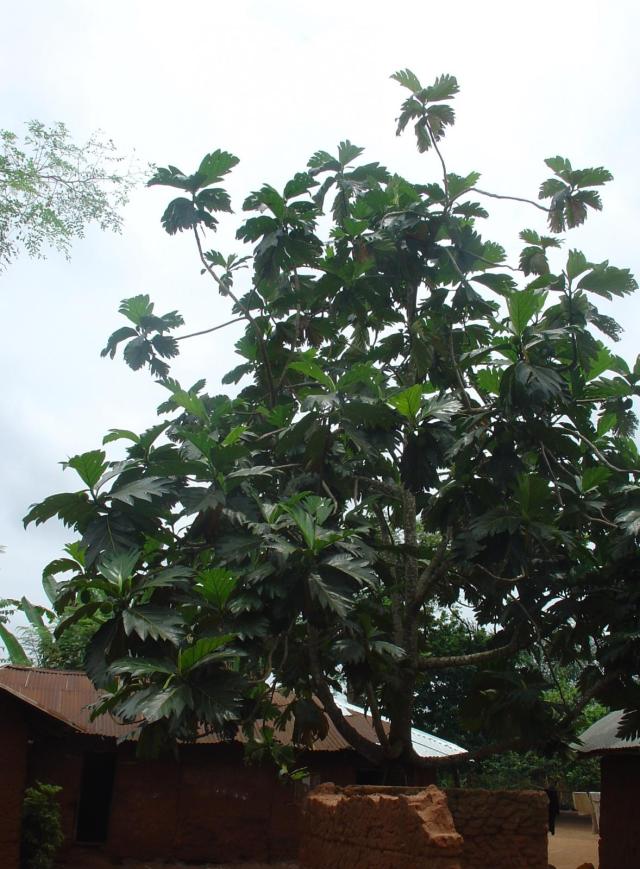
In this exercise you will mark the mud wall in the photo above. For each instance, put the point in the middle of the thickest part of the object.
(55, 757)
(206, 806)
(378, 828)
(501, 829)
(392, 828)
(209, 807)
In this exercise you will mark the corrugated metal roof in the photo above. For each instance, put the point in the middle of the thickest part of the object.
(424, 744)
(601, 737)
(68, 696)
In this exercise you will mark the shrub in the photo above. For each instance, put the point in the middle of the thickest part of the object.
(41, 827)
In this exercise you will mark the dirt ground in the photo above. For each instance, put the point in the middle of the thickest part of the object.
(211, 866)
(86, 858)
(573, 843)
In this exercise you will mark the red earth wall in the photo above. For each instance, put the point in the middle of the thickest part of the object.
(214, 811)
(13, 772)
(207, 806)
(620, 812)
(396, 828)
(58, 761)
(501, 829)
(370, 827)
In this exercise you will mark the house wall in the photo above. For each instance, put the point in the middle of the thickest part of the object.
(620, 811)
(13, 771)
(55, 757)
(209, 806)
(206, 806)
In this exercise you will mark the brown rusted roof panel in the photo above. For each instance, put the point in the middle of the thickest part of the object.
(68, 696)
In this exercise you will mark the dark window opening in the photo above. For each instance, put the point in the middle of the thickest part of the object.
(95, 797)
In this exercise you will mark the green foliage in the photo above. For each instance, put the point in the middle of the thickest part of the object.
(65, 652)
(533, 771)
(570, 193)
(51, 189)
(41, 644)
(41, 827)
(183, 213)
(15, 651)
(147, 343)
(427, 106)
(416, 426)
(440, 698)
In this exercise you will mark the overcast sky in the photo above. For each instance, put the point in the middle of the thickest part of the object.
(272, 82)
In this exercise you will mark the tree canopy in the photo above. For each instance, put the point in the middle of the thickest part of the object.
(417, 423)
(51, 188)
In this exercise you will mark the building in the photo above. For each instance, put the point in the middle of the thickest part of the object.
(203, 804)
(620, 791)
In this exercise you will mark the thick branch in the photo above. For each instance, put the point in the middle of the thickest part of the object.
(411, 541)
(393, 490)
(591, 694)
(396, 599)
(373, 753)
(431, 574)
(376, 718)
(448, 661)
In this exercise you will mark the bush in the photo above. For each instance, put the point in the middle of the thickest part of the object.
(41, 827)
(531, 770)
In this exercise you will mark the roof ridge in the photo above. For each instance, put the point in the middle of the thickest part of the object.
(47, 670)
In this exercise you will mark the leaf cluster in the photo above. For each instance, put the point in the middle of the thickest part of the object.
(417, 425)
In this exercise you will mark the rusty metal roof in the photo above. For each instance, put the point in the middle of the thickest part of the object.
(68, 695)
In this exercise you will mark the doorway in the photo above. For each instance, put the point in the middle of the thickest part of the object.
(96, 789)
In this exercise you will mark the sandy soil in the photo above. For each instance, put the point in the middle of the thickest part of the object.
(573, 843)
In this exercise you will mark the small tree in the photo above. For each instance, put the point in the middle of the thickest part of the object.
(51, 189)
(419, 424)
(42, 833)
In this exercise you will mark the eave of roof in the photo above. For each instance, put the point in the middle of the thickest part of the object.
(68, 695)
(601, 738)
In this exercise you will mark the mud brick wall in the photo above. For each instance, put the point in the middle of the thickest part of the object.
(620, 811)
(208, 807)
(57, 760)
(501, 829)
(13, 767)
(378, 829)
